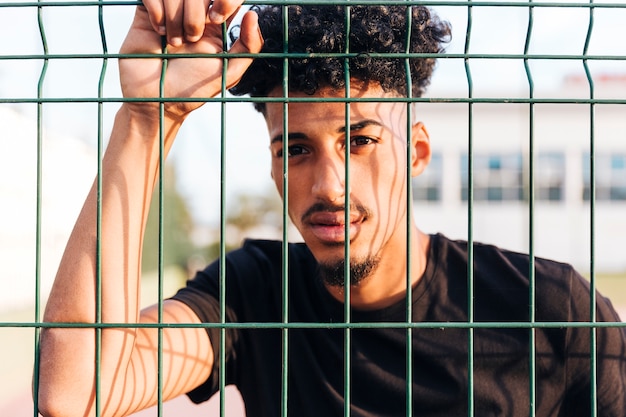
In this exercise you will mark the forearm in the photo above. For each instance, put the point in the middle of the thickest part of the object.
(129, 171)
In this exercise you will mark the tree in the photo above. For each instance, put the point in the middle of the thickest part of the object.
(250, 215)
(177, 227)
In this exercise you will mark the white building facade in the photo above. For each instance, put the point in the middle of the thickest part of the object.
(563, 138)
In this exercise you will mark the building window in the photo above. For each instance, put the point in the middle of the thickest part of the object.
(428, 185)
(550, 176)
(610, 176)
(497, 177)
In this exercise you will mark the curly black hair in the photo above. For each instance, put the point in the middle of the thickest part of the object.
(321, 29)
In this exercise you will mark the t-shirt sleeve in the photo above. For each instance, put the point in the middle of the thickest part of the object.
(609, 350)
(250, 288)
(199, 294)
(611, 353)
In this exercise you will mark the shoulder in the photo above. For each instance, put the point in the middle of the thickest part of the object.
(252, 277)
(255, 253)
(491, 259)
(277, 251)
(257, 261)
(502, 276)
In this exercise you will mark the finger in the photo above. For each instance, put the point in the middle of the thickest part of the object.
(250, 40)
(156, 15)
(174, 21)
(221, 10)
(194, 19)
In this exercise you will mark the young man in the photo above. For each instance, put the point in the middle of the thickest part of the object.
(377, 135)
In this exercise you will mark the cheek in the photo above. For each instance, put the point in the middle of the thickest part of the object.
(296, 187)
(277, 177)
(382, 175)
(388, 181)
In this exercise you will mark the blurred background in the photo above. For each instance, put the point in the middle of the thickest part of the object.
(500, 129)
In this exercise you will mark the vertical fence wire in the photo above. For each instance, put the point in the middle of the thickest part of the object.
(160, 254)
(470, 222)
(592, 229)
(347, 287)
(98, 321)
(284, 391)
(222, 243)
(531, 217)
(222, 247)
(409, 216)
(38, 209)
(100, 127)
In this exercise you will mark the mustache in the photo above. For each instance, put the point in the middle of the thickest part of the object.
(321, 207)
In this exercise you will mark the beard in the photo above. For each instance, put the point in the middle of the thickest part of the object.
(333, 273)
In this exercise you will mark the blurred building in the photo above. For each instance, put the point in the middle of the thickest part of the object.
(563, 135)
(67, 168)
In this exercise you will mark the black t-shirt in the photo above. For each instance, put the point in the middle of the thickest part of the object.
(500, 359)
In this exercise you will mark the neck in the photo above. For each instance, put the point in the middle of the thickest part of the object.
(388, 283)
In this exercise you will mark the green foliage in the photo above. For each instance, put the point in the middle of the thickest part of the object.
(252, 210)
(212, 251)
(246, 216)
(177, 227)
(246, 213)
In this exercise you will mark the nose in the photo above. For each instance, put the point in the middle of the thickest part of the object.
(329, 179)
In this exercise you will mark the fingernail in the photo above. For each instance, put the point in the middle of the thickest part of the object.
(161, 30)
(215, 17)
(176, 41)
(193, 38)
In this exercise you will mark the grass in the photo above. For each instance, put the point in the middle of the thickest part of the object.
(612, 286)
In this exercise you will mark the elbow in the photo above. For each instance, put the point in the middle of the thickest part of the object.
(50, 405)
(62, 388)
(51, 402)
(48, 409)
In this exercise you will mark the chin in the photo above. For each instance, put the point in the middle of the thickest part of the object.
(332, 272)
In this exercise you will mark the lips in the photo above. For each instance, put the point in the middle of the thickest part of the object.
(326, 222)
(329, 227)
(336, 218)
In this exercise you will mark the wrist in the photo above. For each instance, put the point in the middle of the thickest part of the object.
(145, 120)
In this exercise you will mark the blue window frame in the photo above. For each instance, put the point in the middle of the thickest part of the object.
(428, 185)
(497, 177)
(610, 178)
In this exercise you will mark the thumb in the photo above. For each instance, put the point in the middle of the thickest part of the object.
(250, 41)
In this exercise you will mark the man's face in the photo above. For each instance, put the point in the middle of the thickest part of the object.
(316, 151)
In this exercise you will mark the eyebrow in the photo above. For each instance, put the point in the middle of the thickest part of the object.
(362, 124)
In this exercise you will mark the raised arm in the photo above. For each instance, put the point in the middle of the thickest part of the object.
(128, 365)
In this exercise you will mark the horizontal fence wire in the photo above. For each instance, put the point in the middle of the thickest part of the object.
(308, 325)
(429, 3)
(471, 98)
(329, 100)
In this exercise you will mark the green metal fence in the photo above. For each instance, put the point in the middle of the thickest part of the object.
(43, 101)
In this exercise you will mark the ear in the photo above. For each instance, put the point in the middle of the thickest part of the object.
(421, 152)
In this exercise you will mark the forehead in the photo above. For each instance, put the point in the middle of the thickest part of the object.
(327, 110)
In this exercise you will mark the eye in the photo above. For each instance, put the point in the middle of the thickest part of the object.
(293, 150)
(356, 141)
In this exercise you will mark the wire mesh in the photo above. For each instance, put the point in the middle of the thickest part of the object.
(43, 58)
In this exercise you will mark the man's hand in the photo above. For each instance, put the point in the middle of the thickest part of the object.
(190, 26)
